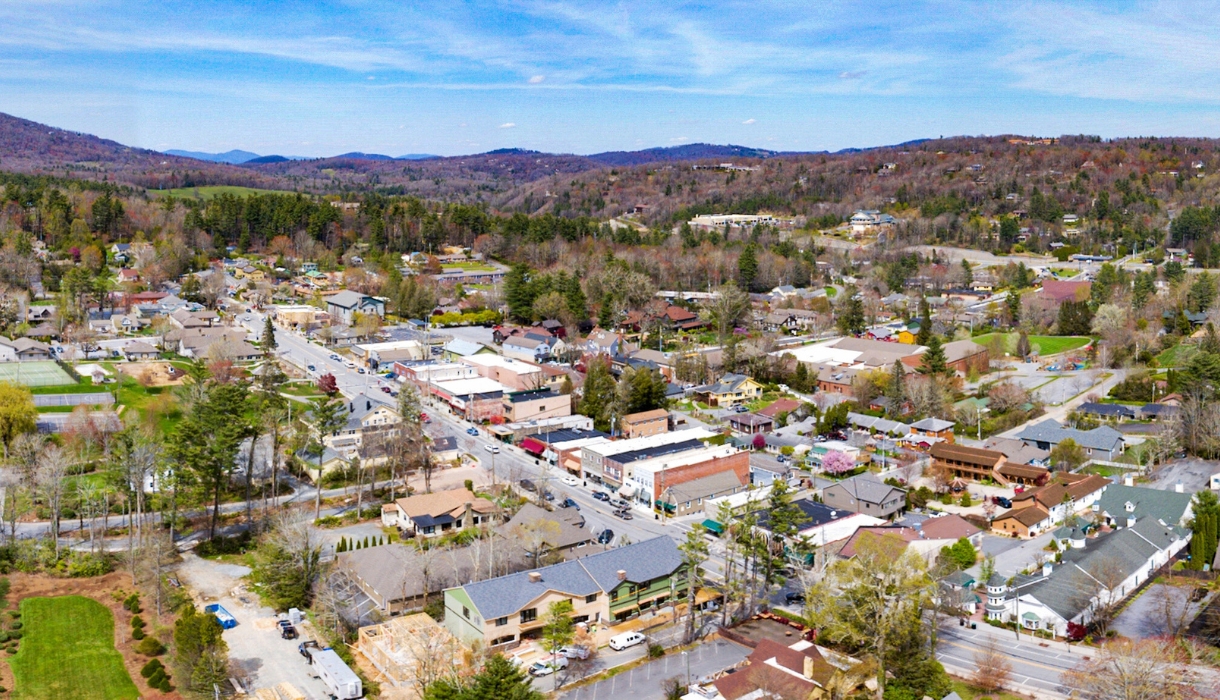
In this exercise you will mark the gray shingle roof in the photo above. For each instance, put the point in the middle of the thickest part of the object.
(1167, 506)
(1050, 431)
(867, 488)
(596, 573)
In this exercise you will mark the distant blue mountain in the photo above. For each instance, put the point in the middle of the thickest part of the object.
(269, 159)
(234, 157)
(417, 156)
(356, 155)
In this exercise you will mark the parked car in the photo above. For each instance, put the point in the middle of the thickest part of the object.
(1002, 501)
(548, 495)
(569, 481)
(794, 597)
(619, 503)
(606, 536)
(740, 409)
(385, 389)
(574, 652)
(287, 631)
(601, 495)
(624, 514)
(528, 485)
(569, 503)
(472, 431)
(625, 640)
(781, 459)
(495, 450)
(349, 364)
(549, 666)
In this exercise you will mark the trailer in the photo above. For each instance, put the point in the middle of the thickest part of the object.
(223, 616)
(344, 683)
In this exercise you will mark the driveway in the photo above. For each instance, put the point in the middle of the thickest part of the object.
(644, 682)
(1160, 609)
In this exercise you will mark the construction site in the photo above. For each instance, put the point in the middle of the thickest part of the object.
(407, 653)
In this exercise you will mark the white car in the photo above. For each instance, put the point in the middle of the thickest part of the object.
(349, 364)
(548, 666)
(574, 652)
(492, 449)
(626, 639)
(569, 480)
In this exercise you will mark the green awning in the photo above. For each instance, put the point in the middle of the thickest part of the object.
(1030, 617)
(713, 526)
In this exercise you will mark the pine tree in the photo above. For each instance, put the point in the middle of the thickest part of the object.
(574, 297)
(268, 341)
(598, 396)
(925, 322)
(518, 294)
(747, 267)
(1143, 290)
(933, 363)
(366, 541)
(1013, 302)
(967, 273)
(895, 389)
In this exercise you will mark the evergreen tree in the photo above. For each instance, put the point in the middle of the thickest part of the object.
(933, 363)
(895, 389)
(925, 322)
(268, 341)
(1075, 318)
(1143, 290)
(1202, 293)
(967, 273)
(518, 294)
(598, 396)
(800, 378)
(646, 391)
(200, 652)
(850, 320)
(747, 267)
(1023, 348)
(574, 297)
(1204, 529)
(1013, 302)
(605, 315)
(499, 680)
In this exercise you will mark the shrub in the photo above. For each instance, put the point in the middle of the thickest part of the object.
(10, 650)
(15, 634)
(236, 544)
(157, 676)
(149, 646)
(137, 633)
(137, 621)
(150, 667)
(655, 651)
(165, 686)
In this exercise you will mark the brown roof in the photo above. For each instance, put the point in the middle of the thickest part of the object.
(1022, 471)
(1074, 486)
(1026, 516)
(768, 663)
(780, 406)
(905, 535)
(452, 502)
(948, 527)
(969, 455)
(645, 416)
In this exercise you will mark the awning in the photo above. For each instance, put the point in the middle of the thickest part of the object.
(533, 446)
(627, 490)
(713, 526)
(1030, 617)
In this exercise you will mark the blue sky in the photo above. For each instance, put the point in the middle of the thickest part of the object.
(322, 78)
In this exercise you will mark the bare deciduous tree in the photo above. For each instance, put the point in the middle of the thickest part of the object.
(53, 466)
(992, 667)
(1149, 669)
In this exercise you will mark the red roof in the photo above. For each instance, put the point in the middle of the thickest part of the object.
(531, 445)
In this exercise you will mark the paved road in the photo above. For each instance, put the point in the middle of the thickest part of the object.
(1036, 669)
(644, 682)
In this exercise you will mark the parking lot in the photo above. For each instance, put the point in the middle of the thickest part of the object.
(260, 658)
(1195, 474)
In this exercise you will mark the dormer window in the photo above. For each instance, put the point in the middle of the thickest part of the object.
(1130, 507)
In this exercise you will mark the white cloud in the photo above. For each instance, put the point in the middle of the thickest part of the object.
(508, 125)
(751, 120)
(534, 80)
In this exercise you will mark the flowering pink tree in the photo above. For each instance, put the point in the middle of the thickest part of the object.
(836, 462)
(759, 441)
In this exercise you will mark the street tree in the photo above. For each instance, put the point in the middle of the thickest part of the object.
(694, 552)
(558, 630)
(53, 465)
(992, 666)
(328, 416)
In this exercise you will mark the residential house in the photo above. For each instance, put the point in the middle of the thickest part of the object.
(645, 423)
(1109, 411)
(560, 532)
(127, 323)
(610, 585)
(140, 351)
(369, 423)
(791, 320)
(535, 404)
(750, 423)
(934, 427)
(120, 252)
(603, 342)
(343, 306)
(779, 406)
(529, 347)
(949, 527)
(865, 494)
(800, 671)
(730, 390)
(434, 514)
(1025, 523)
(1099, 443)
(1066, 494)
(1103, 572)
(23, 350)
(392, 576)
(895, 539)
(822, 523)
(869, 220)
(1018, 452)
(187, 320)
(128, 276)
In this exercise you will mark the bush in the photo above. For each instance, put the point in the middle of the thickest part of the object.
(11, 650)
(165, 686)
(150, 667)
(157, 676)
(16, 625)
(137, 621)
(131, 601)
(15, 634)
(224, 545)
(149, 646)
(655, 651)
(137, 633)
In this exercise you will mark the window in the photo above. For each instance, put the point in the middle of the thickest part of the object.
(501, 621)
(465, 612)
(529, 615)
(613, 596)
(591, 598)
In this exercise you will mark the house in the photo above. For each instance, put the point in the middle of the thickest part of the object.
(458, 348)
(560, 532)
(128, 275)
(602, 342)
(126, 323)
(895, 539)
(1099, 443)
(1110, 411)
(23, 350)
(187, 320)
(957, 591)
(1157, 411)
(319, 465)
(433, 514)
(1102, 573)
(140, 351)
(731, 390)
(343, 306)
(1066, 494)
(403, 650)
(791, 320)
(773, 671)
(775, 408)
(822, 523)
(392, 576)
(979, 464)
(865, 494)
(1018, 452)
(645, 423)
(686, 497)
(1024, 522)
(535, 404)
(611, 585)
(528, 347)
(867, 220)
(750, 423)
(934, 427)
(1059, 291)
(369, 422)
(950, 527)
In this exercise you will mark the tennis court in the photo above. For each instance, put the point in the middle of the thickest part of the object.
(95, 399)
(39, 373)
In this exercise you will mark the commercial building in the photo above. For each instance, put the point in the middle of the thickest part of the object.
(645, 423)
(517, 375)
(665, 480)
(536, 404)
(599, 463)
(476, 400)
(865, 494)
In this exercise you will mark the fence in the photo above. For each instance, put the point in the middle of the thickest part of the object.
(101, 398)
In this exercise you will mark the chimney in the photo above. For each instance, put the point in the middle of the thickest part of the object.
(1128, 480)
(351, 407)
(1130, 521)
(807, 668)
(368, 405)
(535, 577)
(1046, 569)
(1178, 488)
(622, 575)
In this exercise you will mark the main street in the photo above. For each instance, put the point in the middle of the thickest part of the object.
(1038, 667)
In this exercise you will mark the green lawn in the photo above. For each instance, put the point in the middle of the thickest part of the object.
(213, 190)
(1046, 345)
(1177, 356)
(68, 652)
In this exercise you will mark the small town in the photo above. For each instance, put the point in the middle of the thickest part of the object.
(570, 350)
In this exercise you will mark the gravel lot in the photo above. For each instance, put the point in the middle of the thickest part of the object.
(259, 656)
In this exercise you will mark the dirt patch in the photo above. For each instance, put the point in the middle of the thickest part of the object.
(105, 590)
(153, 374)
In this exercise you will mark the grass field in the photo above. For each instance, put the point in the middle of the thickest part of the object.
(1046, 345)
(68, 652)
(1177, 356)
(31, 374)
(213, 190)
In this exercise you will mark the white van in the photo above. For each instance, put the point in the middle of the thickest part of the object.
(626, 639)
